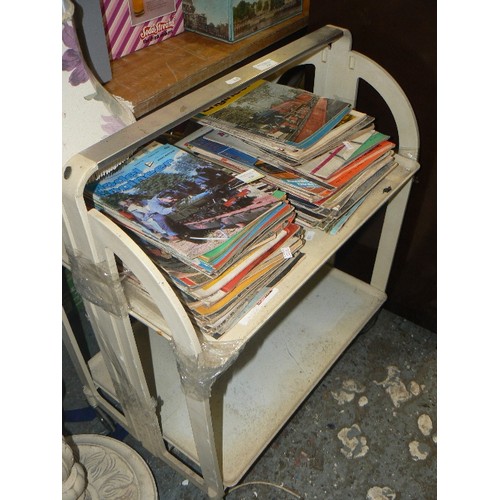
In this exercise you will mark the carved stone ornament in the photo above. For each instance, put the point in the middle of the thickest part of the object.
(114, 471)
(74, 482)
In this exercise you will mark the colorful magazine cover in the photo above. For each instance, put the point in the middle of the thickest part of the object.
(278, 113)
(217, 324)
(327, 164)
(348, 172)
(182, 203)
(246, 286)
(236, 158)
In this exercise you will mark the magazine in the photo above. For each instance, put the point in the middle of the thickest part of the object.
(241, 157)
(261, 272)
(326, 165)
(316, 203)
(305, 180)
(358, 189)
(344, 175)
(186, 205)
(230, 277)
(231, 309)
(276, 115)
(246, 307)
(351, 125)
(356, 198)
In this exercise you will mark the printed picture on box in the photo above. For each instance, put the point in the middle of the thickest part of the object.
(251, 16)
(236, 19)
(142, 11)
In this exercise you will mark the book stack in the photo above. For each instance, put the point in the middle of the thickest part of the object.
(323, 154)
(221, 238)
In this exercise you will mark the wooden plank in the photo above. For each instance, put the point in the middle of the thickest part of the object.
(155, 75)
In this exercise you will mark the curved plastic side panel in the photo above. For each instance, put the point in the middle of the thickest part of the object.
(114, 239)
(396, 99)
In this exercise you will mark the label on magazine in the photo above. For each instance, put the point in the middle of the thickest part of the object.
(309, 236)
(287, 253)
(249, 176)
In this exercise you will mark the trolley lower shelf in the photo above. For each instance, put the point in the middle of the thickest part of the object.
(294, 350)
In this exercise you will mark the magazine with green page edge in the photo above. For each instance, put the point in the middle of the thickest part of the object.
(162, 194)
(266, 221)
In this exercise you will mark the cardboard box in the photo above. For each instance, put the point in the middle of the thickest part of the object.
(131, 25)
(232, 20)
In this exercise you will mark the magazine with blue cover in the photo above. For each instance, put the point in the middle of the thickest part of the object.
(184, 204)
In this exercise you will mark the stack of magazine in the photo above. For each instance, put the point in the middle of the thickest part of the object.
(223, 212)
(221, 238)
(325, 155)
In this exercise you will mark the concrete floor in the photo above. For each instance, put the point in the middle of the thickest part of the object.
(368, 431)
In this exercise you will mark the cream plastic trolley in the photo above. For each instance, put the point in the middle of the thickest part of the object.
(217, 404)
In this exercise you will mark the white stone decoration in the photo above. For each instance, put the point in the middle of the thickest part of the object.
(113, 469)
(74, 482)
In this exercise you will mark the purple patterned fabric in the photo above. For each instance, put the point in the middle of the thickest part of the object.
(71, 59)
